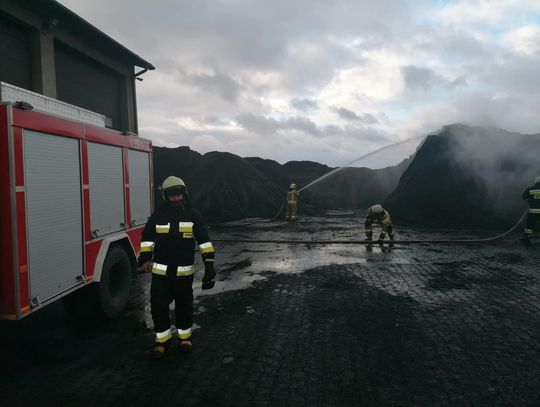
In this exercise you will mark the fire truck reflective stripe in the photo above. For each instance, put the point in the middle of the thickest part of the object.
(184, 333)
(163, 228)
(185, 270)
(147, 246)
(206, 247)
(528, 231)
(160, 269)
(534, 211)
(186, 227)
(163, 336)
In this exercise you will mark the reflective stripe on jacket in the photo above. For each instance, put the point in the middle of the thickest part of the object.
(168, 240)
(292, 196)
(532, 194)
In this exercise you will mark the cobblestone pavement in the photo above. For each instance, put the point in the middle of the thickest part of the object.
(307, 326)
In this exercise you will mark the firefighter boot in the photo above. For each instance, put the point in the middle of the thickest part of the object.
(381, 238)
(369, 235)
(185, 345)
(159, 350)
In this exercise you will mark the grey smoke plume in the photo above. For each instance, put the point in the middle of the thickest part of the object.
(502, 163)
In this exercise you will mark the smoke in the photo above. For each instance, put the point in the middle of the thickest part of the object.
(501, 163)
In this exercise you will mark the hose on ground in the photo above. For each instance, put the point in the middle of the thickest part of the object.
(370, 242)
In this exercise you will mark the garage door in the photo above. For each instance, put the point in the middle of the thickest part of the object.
(15, 53)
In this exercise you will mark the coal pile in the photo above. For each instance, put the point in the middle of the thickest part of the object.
(221, 186)
(467, 177)
(226, 187)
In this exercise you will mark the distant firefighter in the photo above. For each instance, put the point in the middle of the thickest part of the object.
(379, 216)
(532, 194)
(292, 202)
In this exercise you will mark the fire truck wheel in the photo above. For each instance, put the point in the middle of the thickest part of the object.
(115, 284)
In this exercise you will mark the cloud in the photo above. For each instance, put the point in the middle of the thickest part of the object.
(349, 115)
(420, 78)
(216, 83)
(286, 79)
(304, 104)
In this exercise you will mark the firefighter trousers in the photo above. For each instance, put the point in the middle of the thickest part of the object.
(165, 290)
(385, 228)
(291, 211)
(532, 221)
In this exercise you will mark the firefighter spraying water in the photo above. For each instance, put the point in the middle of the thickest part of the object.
(292, 203)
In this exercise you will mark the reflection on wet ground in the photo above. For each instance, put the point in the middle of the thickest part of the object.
(307, 325)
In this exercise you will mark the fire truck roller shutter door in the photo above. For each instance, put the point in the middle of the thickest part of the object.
(139, 187)
(105, 165)
(54, 213)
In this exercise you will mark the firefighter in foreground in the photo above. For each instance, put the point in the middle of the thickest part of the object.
(378, 215)
(167, 251)
(292, 202)
(531, 194)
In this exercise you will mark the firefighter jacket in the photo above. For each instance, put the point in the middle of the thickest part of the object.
(532, 194)
(169, 239)
(292, 196)
(382, 218)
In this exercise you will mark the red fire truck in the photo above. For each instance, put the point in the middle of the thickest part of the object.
(74, 197)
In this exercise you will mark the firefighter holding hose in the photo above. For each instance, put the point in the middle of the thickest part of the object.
(377, 215)
(167, 251)
(531, 194)
(292, 203)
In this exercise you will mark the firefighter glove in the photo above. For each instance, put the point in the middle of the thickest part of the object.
(208, 280)
(147, 267)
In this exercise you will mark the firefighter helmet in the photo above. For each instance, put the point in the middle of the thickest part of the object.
(377, 209)
(537, 180)
(293, 186)
(171, 184)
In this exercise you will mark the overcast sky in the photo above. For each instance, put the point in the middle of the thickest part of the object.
(326, 80)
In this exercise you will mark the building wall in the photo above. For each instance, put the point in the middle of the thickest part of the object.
(15, 52)
(66, 61)
(88, 84)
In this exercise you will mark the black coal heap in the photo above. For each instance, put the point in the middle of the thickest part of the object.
(467, 177)
(226, 187)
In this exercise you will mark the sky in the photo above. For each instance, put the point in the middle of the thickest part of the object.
(327, 81)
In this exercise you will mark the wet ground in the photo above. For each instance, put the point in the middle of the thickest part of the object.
(305, 325)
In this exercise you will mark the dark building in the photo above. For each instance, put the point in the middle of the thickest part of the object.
(46, 48)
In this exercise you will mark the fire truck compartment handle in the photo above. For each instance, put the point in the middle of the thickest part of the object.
(95, 233)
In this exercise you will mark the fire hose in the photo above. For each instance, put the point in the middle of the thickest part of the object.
(370, 242)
